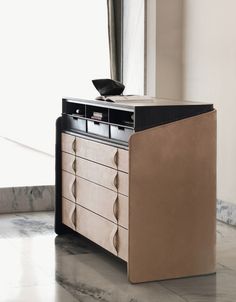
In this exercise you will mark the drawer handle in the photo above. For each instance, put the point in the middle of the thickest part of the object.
(115, 208)
(74, 145)
(115, 158)
(115, 181)
(73, 189)
(73, 218)
(114, 237)
(74, 165)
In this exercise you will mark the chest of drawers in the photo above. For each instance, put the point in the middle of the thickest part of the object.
(149, 200)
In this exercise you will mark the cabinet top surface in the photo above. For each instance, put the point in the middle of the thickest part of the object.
(128, 104)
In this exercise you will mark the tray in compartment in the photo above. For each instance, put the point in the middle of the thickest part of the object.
(75, 123)
(121, 133)
(98, 128)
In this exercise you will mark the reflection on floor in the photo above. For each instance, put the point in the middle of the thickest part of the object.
(36, 265)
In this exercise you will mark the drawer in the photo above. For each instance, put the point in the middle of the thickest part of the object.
(123, 211)
(68, 143)
(104, 154)
(121, 133)
(68, 162)
(102, 231)
(68, 186)
(102, 201)
(96, 228)
(123, 183)
(122, 243)
(98, 128)
(101, 175)
(123, 160)
(68, 213)
(75, 123)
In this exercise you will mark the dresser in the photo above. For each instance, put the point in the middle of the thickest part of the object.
(139, 180)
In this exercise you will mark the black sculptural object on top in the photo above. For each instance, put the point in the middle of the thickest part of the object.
(108, 87)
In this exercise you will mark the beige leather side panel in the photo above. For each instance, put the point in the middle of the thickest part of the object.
(172, 211)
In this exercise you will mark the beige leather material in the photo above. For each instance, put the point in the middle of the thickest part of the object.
(68, 186)
(105, 202)
(122, 243)
(97, 173)
(172, 200)
(123, 210)
(97, 152)
(68, 213)
(68, 162)
(123, 183)
(68, 143)
(123, 160)
(103, 154)
(96, 198)
(96, 228)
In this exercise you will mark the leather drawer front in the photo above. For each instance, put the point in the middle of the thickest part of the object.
(123, 160)
(99, 174)
(68, 162)
(122, 243)
(96, 198)
(103, 154)
(103, 232)
(68, 186)
(68, 213)
(68, 143)
(123, 183)
(97, 152)
(123, 211)
(102, 201)
(96, 228)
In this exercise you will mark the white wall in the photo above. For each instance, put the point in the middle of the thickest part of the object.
(196, 60)
(169, 48)
(133, 52)
(49, 49)
(210, 75)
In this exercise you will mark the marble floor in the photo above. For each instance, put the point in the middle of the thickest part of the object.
(36, 265)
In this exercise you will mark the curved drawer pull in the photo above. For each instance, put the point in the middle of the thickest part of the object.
(74, 145)
(115, 158)
(114, 240)
(73, 189)
(74, 165)
(73, 218)
(115, 181)
(115, 208)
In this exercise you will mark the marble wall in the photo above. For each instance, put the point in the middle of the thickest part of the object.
(27, 199)
(41, 198)
(226, 212)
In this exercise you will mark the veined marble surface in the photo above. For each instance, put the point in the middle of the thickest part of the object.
(226, 212)
(36, 265)
(27, 199)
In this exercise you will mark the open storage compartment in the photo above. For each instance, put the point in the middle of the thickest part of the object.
(121, 117)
